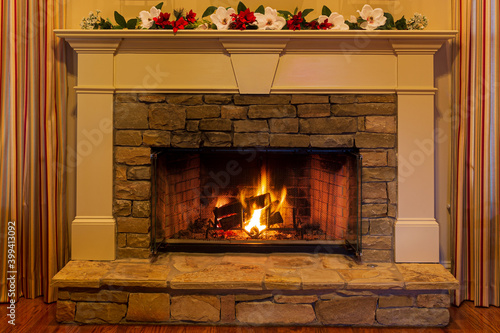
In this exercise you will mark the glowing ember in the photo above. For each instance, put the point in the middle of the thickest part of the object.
(255, 221)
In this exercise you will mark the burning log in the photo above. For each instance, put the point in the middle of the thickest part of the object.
(229, 216)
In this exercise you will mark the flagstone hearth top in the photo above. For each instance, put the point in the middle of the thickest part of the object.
(183, 271)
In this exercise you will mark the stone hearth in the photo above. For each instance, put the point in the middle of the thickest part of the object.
(274, 289)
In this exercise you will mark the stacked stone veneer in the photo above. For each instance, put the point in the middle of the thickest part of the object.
(143, 121)
(347, 307)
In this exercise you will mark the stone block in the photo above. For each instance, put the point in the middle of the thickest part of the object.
(395, 301)
(374, 210)
(185, 99)
(121, 239)
(328, 125)
(125, 98)
(151, 98)
(342, 99)
(285, 125)
(282, 279)
(100, 313)
(251, 126)
(138, 240)
(310, 99)
(392, 191)
(218, 99)
(302, 299)
(347, 311)
(413, 317)
(243, 298)
(130, 116)
(192, 125)
(374, 158)
(196, 308)
(133, 155)
(319, 279)
(133, 224)
(289, 140)
(220, 125)
(365, 226)
(63, 294)
(132, 190)
(227, 308)
(251, 140)
(65, 311)
(380, 124)
(375, 140)
(217, 139)
(112, 296)
(120, 172)
(260, 313)
(382, 174)
(313, 110)
(128, 138)
(377, 242)
(382, 227)
(122, 207)
(261, 99)
(271, 111)
(364, 109)
(391, 210)
(186, 140)
(203, 111)
(167, 117)
(149, 307)
(234, 112)
(392, 158)
(332, 141)
(375, 192)
(377, 255)
(132, 253)
(156, 138)
(361, 124)
(372, 98)
(433, 300)
(141, 209)
(139, 173)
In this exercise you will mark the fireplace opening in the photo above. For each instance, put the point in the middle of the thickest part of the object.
(257, 200)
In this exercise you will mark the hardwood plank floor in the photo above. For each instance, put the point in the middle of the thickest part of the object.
(33, 316)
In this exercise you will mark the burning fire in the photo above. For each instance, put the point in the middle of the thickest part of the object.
(255, 222)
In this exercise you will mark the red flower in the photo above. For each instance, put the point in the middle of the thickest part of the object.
(241, 20)
(325, 25)
(179, 24)
(313, 25)
(295, 22)
(162, 20)
(191, 16)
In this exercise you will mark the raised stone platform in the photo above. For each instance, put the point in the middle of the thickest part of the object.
(253, 289)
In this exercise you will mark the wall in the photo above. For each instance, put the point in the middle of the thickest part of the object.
(438, 12)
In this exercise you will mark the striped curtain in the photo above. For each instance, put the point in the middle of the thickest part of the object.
(32, 151)
(476, 151)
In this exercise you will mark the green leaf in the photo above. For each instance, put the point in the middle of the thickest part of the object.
(296, 10)
(120, 20)
(131, 24)
(260, 10)
(209, 11)
(306, 11)
(285, 13)
(241, 7)
(389, 23)
(158, 6)
(401, 24)
(326, 11)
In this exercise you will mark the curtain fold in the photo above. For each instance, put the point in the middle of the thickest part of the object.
(33, 146)
(476, 151)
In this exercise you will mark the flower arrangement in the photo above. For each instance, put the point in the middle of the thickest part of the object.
(220, 18)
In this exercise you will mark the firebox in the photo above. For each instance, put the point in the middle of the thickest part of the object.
(256, 200)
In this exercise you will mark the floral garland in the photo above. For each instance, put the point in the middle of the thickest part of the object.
(220, 18)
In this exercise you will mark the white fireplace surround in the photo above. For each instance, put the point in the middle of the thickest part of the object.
(256, 62)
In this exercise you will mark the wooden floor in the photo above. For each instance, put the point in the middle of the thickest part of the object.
(33, 316)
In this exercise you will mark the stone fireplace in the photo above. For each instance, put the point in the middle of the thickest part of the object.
(144, 95)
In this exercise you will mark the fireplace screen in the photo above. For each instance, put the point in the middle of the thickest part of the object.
(256, 197)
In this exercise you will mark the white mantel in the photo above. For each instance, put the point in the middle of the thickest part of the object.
(256, 62)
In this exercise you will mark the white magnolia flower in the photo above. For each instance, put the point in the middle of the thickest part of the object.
(222, 18)
(353, 19)
(147, 17)
(336, 19)
(270, 20)
(374, 17)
